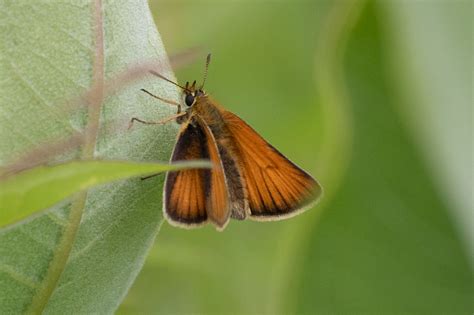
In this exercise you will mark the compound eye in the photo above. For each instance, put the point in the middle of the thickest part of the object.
(189, 99)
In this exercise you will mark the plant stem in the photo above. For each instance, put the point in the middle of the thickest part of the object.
(61, 256)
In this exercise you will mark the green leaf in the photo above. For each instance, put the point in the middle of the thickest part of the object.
(46, 57)
(387, 243)
(431, 57)
(42, 187)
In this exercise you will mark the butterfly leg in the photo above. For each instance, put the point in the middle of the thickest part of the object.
(149, 176)
(170, 102)
(160, 122)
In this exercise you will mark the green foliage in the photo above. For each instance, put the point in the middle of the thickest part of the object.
(371, 98)
(79, 259)
(388, 244)
(41, 187)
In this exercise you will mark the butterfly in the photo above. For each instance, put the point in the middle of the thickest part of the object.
(250, 178)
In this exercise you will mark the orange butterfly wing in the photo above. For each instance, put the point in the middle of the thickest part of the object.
(276, 187)
(184, 194)
(191, 197)
(218, 198)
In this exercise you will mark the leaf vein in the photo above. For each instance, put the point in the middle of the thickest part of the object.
(56, 219)
(58, 69)
(61, 30)
(40, 98)
(36, 240)
(99, 236)
(18, 276)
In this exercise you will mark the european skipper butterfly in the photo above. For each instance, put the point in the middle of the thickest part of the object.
(250, 178)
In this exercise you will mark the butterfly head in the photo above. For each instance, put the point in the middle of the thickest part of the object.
(192, 94)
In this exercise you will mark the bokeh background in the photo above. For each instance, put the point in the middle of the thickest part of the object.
(375, 100)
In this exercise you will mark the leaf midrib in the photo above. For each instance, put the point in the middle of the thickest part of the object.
(63, 250)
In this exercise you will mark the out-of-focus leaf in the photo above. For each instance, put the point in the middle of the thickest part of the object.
(46, 57)
(386, 243)
(430, 46)
(41, 187)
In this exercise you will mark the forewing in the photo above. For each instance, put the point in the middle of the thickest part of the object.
(185, 191)
(192, 197)
(218, 205)
(276, 187)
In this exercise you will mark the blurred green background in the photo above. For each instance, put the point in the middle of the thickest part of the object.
(375, 100)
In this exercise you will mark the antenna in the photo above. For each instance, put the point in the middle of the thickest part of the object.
(208, 60)
(166, 79)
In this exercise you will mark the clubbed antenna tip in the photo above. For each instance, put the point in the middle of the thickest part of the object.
(208, 60)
